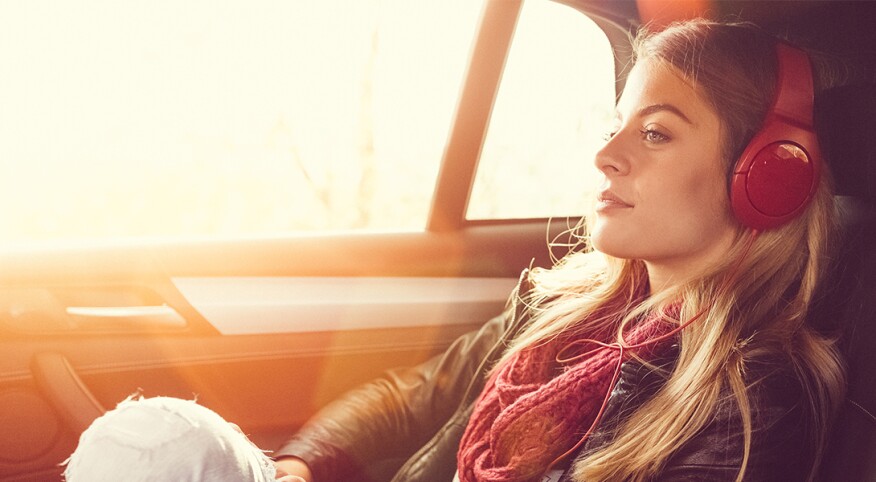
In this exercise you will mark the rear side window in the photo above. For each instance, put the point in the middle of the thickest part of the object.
(125, 119)
(553, 105)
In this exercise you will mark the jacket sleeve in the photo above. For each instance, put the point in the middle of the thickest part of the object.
(391, 417)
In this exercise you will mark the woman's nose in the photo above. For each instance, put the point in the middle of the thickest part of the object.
(611, 159)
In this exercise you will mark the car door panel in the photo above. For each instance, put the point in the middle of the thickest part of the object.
(265, 339)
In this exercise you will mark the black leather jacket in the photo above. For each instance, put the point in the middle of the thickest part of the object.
(406, 426)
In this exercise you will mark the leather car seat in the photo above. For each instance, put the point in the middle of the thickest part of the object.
(847, 304)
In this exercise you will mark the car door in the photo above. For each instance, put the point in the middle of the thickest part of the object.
(267, 328)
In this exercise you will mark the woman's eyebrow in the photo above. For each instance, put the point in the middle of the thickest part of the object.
(651, 109)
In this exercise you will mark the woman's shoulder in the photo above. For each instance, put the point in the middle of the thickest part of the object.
(779, 415)
(772, 383)
(778, 422)
(776, 401)
(779, 406)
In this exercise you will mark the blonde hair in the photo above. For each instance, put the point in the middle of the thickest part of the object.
(761, 313)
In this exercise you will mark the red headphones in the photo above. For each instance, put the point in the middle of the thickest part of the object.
(776, 176)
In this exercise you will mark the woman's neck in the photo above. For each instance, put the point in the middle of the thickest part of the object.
(668, 273)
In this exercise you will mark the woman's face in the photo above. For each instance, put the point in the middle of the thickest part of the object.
(664, 198)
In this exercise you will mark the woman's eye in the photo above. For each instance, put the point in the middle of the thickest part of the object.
(608, 135)
(650, 135)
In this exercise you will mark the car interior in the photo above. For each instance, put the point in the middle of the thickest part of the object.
(266, 330)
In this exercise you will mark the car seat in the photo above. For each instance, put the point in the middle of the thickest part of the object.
(847, 302)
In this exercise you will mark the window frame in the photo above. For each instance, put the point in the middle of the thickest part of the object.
(486, 66)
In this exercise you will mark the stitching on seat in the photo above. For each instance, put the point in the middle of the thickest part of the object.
(872, 417)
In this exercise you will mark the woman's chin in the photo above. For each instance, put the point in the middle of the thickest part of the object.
(612, 243)
(606, 247)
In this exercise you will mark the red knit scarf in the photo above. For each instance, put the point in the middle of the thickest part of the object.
(533, 409)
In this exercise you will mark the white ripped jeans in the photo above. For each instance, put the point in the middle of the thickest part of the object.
(166, 439)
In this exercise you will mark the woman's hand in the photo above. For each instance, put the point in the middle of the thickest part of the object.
(289, 469)
(294, 468)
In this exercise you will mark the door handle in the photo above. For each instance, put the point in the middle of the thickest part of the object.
(162, 316)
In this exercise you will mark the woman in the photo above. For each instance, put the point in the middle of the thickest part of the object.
(745, 391)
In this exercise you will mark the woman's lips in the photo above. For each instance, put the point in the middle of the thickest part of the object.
(607, 200)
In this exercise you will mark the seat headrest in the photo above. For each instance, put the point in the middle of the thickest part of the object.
(845, 119)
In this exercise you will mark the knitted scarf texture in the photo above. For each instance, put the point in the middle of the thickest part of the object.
(534, 408)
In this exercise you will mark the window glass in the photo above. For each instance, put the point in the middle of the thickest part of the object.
(550, 115)
(201, 118)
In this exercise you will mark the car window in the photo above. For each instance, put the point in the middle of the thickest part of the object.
(551, 112)
(125, 119)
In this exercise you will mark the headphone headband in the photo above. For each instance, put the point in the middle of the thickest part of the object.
(794, 96)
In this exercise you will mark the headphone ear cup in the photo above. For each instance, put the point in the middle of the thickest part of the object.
(776, 185)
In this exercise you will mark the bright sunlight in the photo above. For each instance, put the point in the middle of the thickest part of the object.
(125, 118)
(158, 119)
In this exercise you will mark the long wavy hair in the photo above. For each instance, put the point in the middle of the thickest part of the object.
(760, 313)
